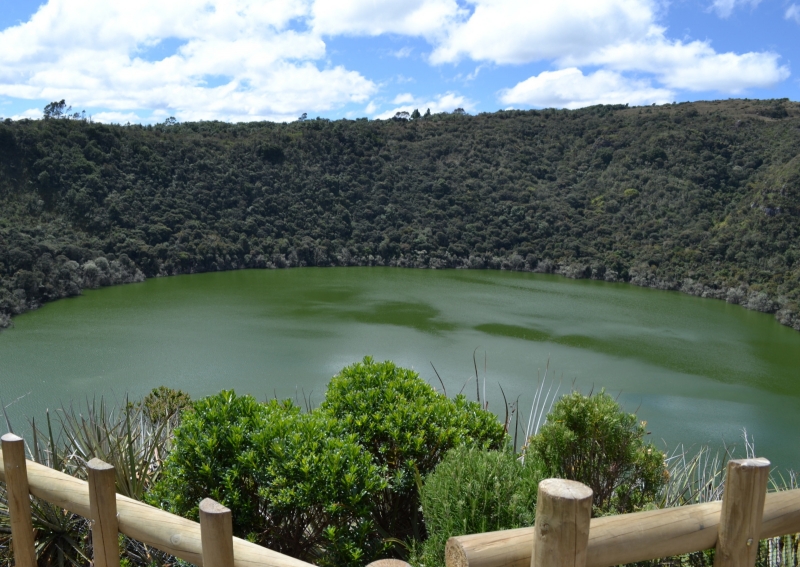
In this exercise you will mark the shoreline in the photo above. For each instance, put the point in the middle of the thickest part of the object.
(100, 272)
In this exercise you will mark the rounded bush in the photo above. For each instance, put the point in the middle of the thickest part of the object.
(475, 491)
(591, 440)
(407, 426)
(296, 483)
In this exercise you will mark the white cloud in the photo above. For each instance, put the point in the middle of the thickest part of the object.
(116, 117)
(619, 35)
(446, 102)
(793, 13)
(570, 88)
(693, 66)
(243, 60)
(423, 18)
(509, 31)
(403, 52)
(94, 54)
(30, 113)
(724, 8)
(403, 98)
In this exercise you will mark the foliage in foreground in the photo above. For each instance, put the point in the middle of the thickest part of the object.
(296, 483)
(124, 437)
(303, 483)
(473, 491)
(407, 427)
(591, 440)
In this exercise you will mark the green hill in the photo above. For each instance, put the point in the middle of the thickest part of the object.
(701, 197)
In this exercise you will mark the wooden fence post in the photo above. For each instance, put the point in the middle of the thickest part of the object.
(216, 534)
(561, 529)
(742, 512)
(103, 506)
(19, 500)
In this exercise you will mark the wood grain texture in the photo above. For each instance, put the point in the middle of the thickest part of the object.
(216, 534)
(388, 563)
(561, 531)
(742, 513)
(169, 533)
(103, 505)
(19, 500)
(628, 538)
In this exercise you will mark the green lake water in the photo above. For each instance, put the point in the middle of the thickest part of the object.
(697, 370)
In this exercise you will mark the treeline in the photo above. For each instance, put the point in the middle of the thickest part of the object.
(701, 197)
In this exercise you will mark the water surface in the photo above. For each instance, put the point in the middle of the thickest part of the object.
(698, 371)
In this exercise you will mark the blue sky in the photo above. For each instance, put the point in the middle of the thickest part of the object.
(243, 60)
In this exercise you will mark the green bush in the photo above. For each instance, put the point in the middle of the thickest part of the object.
(407, 427)
(475, 491)
(296, 483)
(591, 440)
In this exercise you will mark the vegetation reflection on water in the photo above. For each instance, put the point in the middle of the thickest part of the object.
(697, 370)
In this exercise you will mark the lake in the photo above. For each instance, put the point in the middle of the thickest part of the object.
(697, 370)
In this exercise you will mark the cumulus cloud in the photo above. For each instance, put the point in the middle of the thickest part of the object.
(446, 102)
(693, 66)
(243, 60)
(619, 35)
(793, 13)
(423, 18)
(509, 31)
(403, 98)
(570, 88)
(724, 8)
(94, 53)
(116, 117)
(30, 113)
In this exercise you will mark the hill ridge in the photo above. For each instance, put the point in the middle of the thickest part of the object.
(698, 197)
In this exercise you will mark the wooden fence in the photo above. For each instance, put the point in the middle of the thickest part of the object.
(207, 544)
(563, 535)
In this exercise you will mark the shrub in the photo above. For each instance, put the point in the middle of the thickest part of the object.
(591, 440)
(407, 427)
(164, 404)
(475, 491)
(295, 482)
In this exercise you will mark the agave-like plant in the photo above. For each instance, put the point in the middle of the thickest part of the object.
(133, 438)
(61, 537)
(123, 437)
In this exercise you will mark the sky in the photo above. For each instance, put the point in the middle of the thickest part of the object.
(247, 60)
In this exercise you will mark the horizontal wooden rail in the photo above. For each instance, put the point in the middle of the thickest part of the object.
(169, 533)
(627, 538)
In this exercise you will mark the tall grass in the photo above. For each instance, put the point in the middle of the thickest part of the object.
(698, 477)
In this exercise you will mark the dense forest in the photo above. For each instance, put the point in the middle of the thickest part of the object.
(699, 197)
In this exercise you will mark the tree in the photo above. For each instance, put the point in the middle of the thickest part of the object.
(415, 114)
(459, 111)
(427, 113)
(401, 116)
(57, 110)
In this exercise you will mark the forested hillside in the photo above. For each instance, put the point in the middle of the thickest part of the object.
(701, 197)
